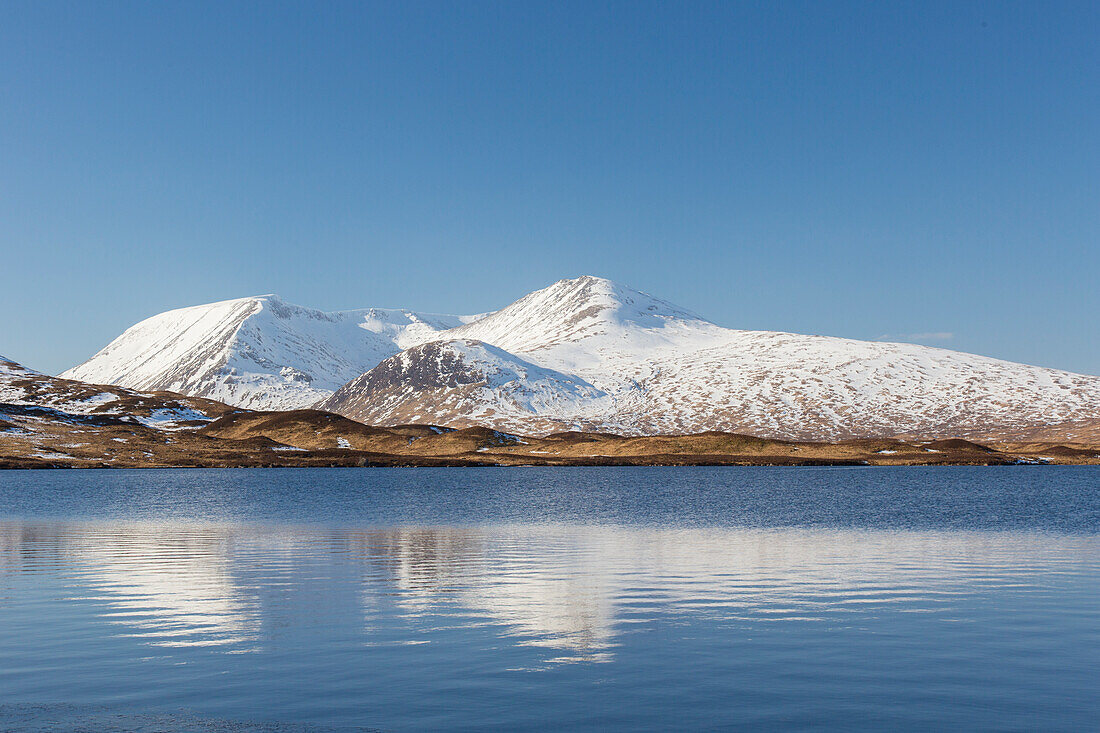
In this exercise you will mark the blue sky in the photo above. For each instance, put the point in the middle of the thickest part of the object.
(915, 171)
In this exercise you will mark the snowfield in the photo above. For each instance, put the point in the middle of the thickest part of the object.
(585, 354)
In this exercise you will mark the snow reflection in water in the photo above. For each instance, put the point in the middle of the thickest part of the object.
(572, 590)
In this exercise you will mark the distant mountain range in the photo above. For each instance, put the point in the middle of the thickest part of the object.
(582, 354)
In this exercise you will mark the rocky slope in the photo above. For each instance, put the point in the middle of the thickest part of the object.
(471, 382)
(46, 420)
(259, 352)
(27, 394)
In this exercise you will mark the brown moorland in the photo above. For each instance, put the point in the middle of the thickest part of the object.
(314, 438)
(47, 422)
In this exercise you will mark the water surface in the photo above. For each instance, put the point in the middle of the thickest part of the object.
(596, 598)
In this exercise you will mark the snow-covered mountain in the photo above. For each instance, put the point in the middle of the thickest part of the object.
(656, 368)
(578, 311)
(584, 354)
(258, 352)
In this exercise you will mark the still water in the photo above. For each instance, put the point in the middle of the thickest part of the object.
(511, 599)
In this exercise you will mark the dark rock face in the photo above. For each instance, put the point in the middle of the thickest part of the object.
(431, 366)
(464, 382)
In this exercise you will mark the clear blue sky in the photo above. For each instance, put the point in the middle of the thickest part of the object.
(917, 171)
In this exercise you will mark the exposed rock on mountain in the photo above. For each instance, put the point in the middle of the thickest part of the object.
(473, 382)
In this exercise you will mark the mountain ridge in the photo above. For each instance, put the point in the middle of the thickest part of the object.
(647, 367)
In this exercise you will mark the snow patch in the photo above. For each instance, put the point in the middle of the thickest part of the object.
(169, 418)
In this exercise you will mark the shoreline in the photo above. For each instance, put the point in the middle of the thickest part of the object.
(376, 462)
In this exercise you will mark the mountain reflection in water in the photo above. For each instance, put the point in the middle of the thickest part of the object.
(574, 591)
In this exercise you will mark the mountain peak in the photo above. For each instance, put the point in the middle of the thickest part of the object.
(573, 309)
(587, 281)
(616, 301)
